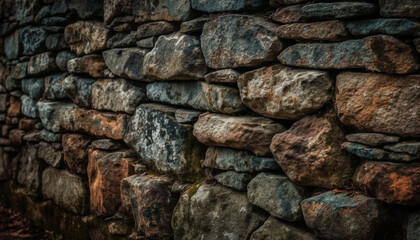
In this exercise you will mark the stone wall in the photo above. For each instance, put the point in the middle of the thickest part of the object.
(212, 119)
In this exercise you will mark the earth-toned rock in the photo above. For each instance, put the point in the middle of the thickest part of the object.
(351, 217)
(290, 14)
(364, 101)
(66, 190)
(394, 26)
(86, 9)
(107, 144)
(174, 151)
(275, 229)
(154, 29)
(325, 31)
(54, 88)
(388, 182)
(193, 26)
(151, 203)
(241, 132)
(116, 8)
(240, 161)
(126, 62)
(86, 37)
(222, 76)
(412, 148)
(30, 170)
(277, 195)
(75, 150)
(235, 180)
(226, 5)
(392, 57)
(28, 107)
(34, 87)
(50, 113)
(92, 64)
(310, 153)
(201, 204)
(63, 58)
(14, 109)
(186, 115)
(372, 139)
(19, 70)
(51, 153)
(285, 93)
(175, 56)
(259, 43)
(339, 10)
(400, 8)
(33, 40)
(42, 63)
(48, 136)
(118, 95)
(169, 10)
(146, 42)
(197, 94)
(78, 89)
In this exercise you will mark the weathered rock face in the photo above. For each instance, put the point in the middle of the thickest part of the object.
(107, 144)
(403, 8)
(51, 153)
(274, 229)
(118, 95)
(250, 133)
(152, 204)
(199, 205)
(33, 40)
(126, 62)
(12, 45)
(175, 151)
(285, 93)
(28, 107)
(198, 95)
(412, 148)
(121, 40)
(78, 89)
(92, 64)
(54, 88)
(277, 195)
(42, 63)
(193, 26)
(66, 190)
(379, 103)
(367, 152)
(75, 150)
(86, 37)
(186, 115)
(154, 29)
(19, 70)
(63, 58)
(326, 31)
(357, 217)
(391, 183)
(34, 87)
(105, 173)
(235, 180)
(226, 5)
(259, 43)
(30, 170)
(394, 26)
(240, 161)
(310, 153)
(86, 9)
(222, 76)
(145, 10)
(372, 139)
(175, 56)
(116, 8)
(392, 57)
(339, 10)
(289, 14)
(50, 113)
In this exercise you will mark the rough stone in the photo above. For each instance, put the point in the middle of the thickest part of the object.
(126, 62)
(146, 42)
(168, 10)
(372, 139)
(56, 42)
(197, 94)
(324, 31)
(277, 195)
(86, 9)
(66, 190)
(193, 26)
(339, 10)
(222, 76)
(121, 40)
(376, 153)
(240, 161)
(413, 226)
(118, 95)
(54, 21)
(285, 93)
(34, 87)
(19, 70)
(412, 148)
(151, 203)
(226, 5)
(54, 88)
(241, 132)
(107, 144)
(48, 136)
(14, 109)
(201, 204)
(105, 173)
(86, 37)
(27, 124)
(235, 180)
(42, 13)
(59, 7)
(42, 63)
(12, 45)
(50, 113)
(391, 183)
(78, 89)
(25, 10)
(154, 29)
(75, 151)
(92, 64)
(30, 170)
(275, 229)
(379, 103)
(186, 116)
(310, 153)
(174, 151)
(15, 137)
(396, 27)
(356, 217)
(28, 107)
(290, 14)
(116, 8)
(175, 57)
(51, 153)
(219, 41)
(392, 57)
(400, 8)
(63, 58)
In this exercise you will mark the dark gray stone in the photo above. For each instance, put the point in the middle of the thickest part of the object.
(372, 139)
(126, 62)
(400, 8)
(34, 87)
(275, 229)
(377, 154)
(49, 113)
(51, 153)
(59, 7)
(30, 170)
(19, 70)
(107, 144)
(28, 107)
(54, 88)
(197, 94)
(339, 10)
(78, 89)
(121, 40)
(290, 14)
(56, 42)
(116, 8)
(193, 26)
(396, 27)
(412, 148)
(154, 29)
(235, 180)
(13, 45)
(146, 42)
(186, 116)
(42, 13)
(63, 58)
(413, 226)
(168, 10)
(48, 136)
(86, 9)
(227, 5)
(55, 21)
(42, 63)
(33, 40)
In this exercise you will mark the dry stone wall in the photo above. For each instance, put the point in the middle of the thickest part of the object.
(212, 119)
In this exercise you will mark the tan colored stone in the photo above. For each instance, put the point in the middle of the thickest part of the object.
(86, 37)
(324, 31)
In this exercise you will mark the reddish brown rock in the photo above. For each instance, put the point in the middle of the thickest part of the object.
(75, 150)
(14, 109)
(379, 103)
(27, 124)
(249, 133)
(372, 139)
(325, 31)
(310, 153)
(105, 172)
(391, 183)
(15, 137)
(92, 64)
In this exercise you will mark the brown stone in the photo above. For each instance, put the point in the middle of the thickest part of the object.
(146, 10)
(249, 133)
(400, 8)
(42, 63)
(324, 31)
(372, 139)
(75, 150)
(290, 14)
(154, 29)
(14, 109)
(92, 64)
(310, 153)
(86, 37)
(15, 137)
(105, 172)
(27, 124)
(116, 8)
(391, 183)
(51, 153)
(379, 103)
